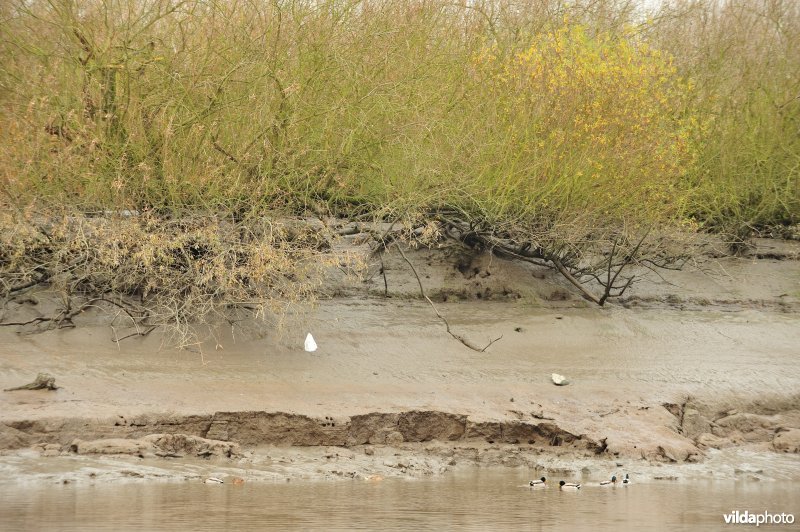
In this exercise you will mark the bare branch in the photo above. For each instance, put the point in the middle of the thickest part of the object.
(461, 339)
(576, 283)
(137, 333)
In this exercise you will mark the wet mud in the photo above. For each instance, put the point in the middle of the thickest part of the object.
(691, 367)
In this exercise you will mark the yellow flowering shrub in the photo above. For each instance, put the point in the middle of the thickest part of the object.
(597, 121)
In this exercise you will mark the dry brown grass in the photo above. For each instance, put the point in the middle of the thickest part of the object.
(153, 271)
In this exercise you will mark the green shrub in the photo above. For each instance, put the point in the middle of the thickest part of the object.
(498, 108)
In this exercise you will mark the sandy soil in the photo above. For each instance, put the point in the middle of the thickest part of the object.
(703, 359)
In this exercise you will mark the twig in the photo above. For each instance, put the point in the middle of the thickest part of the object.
(124, 308)
(461, 339)
(137, 333)
(224, 152)
(382, 242)
(24, 323)
(627, 260)
(64, 317)
(491, 342)
(385, 281)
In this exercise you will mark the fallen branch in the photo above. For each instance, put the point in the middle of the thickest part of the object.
(29, 284)
(64, 317)
(137, 333)
(40, 319)
(569, 277)
(461, 339)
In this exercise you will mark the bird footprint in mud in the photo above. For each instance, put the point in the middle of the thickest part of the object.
(328, 422)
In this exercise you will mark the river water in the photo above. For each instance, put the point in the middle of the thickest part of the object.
(471, 500)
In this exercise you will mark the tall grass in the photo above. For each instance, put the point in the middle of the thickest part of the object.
(527, 113)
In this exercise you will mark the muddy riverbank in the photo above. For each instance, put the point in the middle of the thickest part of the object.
(691, 366)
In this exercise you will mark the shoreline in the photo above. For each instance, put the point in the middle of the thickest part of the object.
(660, 386)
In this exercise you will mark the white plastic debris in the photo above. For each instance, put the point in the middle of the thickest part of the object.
(311, 345)
(559, 380)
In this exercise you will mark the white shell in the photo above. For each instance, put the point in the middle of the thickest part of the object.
(559, 380)
(310, 345)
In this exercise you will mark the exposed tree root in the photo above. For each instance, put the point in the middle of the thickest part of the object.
(570, 261)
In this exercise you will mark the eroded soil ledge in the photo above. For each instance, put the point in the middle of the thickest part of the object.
(252, 429)
(229, 434)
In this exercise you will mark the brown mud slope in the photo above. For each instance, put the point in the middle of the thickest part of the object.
(706, 358)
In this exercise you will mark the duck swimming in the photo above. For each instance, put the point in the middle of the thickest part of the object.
(611, 482)
(569, 486)
(541, 483)
(626, 480)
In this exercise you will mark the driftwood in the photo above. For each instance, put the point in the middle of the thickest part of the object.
(43, 381)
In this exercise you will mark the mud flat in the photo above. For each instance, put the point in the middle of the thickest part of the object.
(691, 374)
